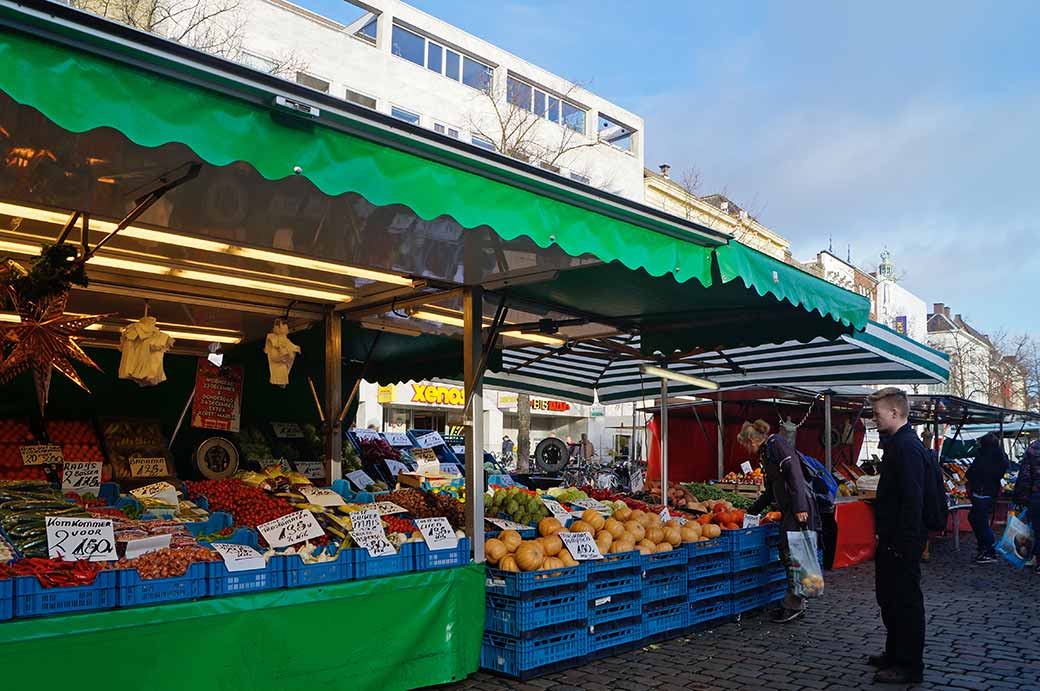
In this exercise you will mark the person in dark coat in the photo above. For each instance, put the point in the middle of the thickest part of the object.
(787, 489)
(899, 524)
(984, 477)
(1027, 494)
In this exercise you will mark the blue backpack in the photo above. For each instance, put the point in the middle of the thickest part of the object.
(824, 487)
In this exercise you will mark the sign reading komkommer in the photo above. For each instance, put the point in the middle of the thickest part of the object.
(73, 539)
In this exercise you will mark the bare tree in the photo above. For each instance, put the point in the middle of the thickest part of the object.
(1009, 370)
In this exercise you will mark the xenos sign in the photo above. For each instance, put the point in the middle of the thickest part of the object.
(438, 395)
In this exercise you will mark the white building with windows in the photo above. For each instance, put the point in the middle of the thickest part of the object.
(388, 56)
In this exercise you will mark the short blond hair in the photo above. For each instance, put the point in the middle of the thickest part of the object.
(891, 396)
(756, 431)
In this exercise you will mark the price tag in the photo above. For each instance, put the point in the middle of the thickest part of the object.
(459, 450)
(319, 496)
(366, 434)
(286, 430)
(281, 463)
(162, 491)
(581, 546)
(398, 439)
(428, 441)
(387, 508)
(395, 467)
(375, 543)
(752, 520)
(665, 516)
(293, 529)
(41, 454)
(745, 467)
(591, 504)
(426, 462)
(601, 601)
(73, 539)
(366, 521)
(239, 557)
(682, 521)
(81, 478)
(437, 533)
(360, 479)
(450, 469)
(508, 525)
(557, 510)
(949, 485)
(312, 470)
(144, 545)
(148, 467)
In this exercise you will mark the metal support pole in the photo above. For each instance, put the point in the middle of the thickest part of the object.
(473, 351)
(333, 394)
(828, 441)
(720, 453)
(664, 441)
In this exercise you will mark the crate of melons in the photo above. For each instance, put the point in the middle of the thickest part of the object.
(517, 566)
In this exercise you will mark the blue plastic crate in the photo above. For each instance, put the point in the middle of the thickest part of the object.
(710, 565)
(747, 580)
(663, 560)
(613, 562)
(298, 574)
(614, 634)
(33, 600)
(224, 582)
(701, 548)
(615, 583)
(772, 534)
(708, 610)
(514, 617)
(773, 555)
(664, 618)
(515, 584)
(513, 656)
(745, 538)
(775, 592)
(748, 601)
(218, 520)
(6, 598)
(776, 573)
(751, 558)
(708, 588)
(427, 559)
(664, 584)
(134, 590)
(609, 608)
(390, 565)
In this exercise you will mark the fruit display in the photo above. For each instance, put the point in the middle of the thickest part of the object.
(168, 562)
(723, 515)
(375, 449)
(424, 504)
(77, 439)
(755, 477)
(248, 506)
(565, 495)
(14, 434)
(516, 504)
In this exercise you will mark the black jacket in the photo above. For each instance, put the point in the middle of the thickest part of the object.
(898, 508)
(988, 468)
(785, 486)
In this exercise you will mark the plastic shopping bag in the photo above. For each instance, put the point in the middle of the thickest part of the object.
(804, 563)
(1017, 543)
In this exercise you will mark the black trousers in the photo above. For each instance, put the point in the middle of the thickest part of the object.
(897, 580)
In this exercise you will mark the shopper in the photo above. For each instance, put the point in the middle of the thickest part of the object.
(786, 488)
(507, 449)
(585, 448)
(1027, 494)
(984, 477)
(899, 523)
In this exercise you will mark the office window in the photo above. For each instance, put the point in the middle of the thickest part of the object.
(434, 57)
(360, 99)
(368, 31)
(476, 74)
(257, 62)
(441, 128)
(482, 142)
(452, 64)
(312, 82)
(616, 134)
(573, 117)
(553, 111)
(406, 115)
(411, 47)
(539, 102)
(580, 178)
(519, 93)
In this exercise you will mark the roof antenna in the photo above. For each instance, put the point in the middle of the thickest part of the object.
(830, 244)
(848, 256)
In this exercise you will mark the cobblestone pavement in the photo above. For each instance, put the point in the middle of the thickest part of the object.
(983, 627)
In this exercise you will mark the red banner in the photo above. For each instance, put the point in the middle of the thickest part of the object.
(218, 397)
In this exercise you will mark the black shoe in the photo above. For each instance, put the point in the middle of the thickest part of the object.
(898, 675)
(879, 661)
(986, 558)
(783, 615)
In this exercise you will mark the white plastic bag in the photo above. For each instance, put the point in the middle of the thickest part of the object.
(1017, 543)
(804, 564)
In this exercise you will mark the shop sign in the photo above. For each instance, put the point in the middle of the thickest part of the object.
(507, 400)
(312, 470)
(434, 394)
(72, 539)
(428, 441)
(41, 454)
(144, 545)
(385, 394)
(597, 411)
(319, 496)
(218, 397)
(81, 478)
(398, 439)
(239, 557)
(581, 546)
(546, 404)
(287, 430)
(161, 491)
(148, 467)
(437, 533)
(292, 529)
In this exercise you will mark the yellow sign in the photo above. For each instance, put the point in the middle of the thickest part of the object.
(385, 394)
(507, 399)
(438, 395)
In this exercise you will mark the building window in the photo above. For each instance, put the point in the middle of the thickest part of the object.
(406, 115)
(436, 58)
(448, 130)
(580, 178)
(258, 63)
(360, 99)
(367, 33)
(411, 47)
(452, 64)
(482, 142)
(476, 74)
(312, 82)
(573, 117)
(616, 134)
(518, 93)
(523, 95)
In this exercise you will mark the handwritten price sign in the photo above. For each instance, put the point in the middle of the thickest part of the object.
(557, 510)
(428, 441)
(581, 546)
(507, 525)
(360, 479)
(319, 496)
(72, 539)
(148, 467)
(312, 470)
(366, 434)
(591, 504)
(287, 430)
(81, 478)
(745, 468)
(144, 545)
(398, 439)
(240, 557)
(395, 467)
(41, 454)
(387, 508)
(162, 491)
(292, 529)
(752, 521)
(437, 533)
(366, 521)
(375, 543)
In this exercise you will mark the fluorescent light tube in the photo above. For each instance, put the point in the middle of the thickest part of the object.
(678, 377)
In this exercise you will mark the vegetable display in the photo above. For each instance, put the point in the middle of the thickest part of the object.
(23, 506)
(516, 504)
(248, 506)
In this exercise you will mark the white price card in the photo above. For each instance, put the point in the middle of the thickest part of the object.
(297, 527)
(437, 533)
(395, 467)
(450, 469)
(581, 546)
(601, 601)
(375, 543)
(592, 504)
(557, 509)
(312, 470)
(459, 450)
(745, 467)
(387, 508)
(665, 515)
(752, 520)
(144, 545)
(148, 467)
(73, 539)
(367, 434)
(81, 478)
(507, 525)
(366, 521)
(428, 441)
(426, 462)
(41, 454)
(320, 496)
(360, 479)
(398, 439)
(287, 430)
(162, 491)
(239, 557)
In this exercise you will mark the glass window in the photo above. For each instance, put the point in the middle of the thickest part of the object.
(312, 82)
(434, 57)
(616, 134)
(554, 109)
(453, 133)
(539, 102)
(409, 46)
(580, 178)
(518, 93)
(438, 127)
(360, 99)
(572, 116)
(451, 64)
(257, 62)
(476, 74)
(368, 31)
(402, 114)
(482, 142)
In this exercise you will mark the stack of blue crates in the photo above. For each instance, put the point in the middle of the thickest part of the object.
(755, 568)
(664, 594)
(615, 603)
(708, 587)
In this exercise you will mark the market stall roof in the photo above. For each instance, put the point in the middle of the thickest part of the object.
(610, 368)
(575, 250)
(1009, 429)
(953, 410)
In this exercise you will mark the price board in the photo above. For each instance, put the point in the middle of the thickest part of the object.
(73, 539)
(360, 479)
(292, 529)
(312, 470)
(366, 434)
(450, 468)
(506, 524)
(162, 491)
(592, 504)
(148, 467)
(81, 478)
(366, 521)
(745, 468)
(437, 533)
(287, 430)
(387, 508)
(144, 545)
(752, 520)
(581, 546)
(239, 557)
(395, 467)
(41, 454)
(557, 510)
(398, 439)
(320, 496)
(375, 544)
(430, 440)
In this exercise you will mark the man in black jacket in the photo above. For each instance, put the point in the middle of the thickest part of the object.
(899, 523)
(984, 477)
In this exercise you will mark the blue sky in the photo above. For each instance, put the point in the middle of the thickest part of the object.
(911, 125)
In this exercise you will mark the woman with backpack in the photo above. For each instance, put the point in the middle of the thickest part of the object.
(1027, 494)
(787, 489)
